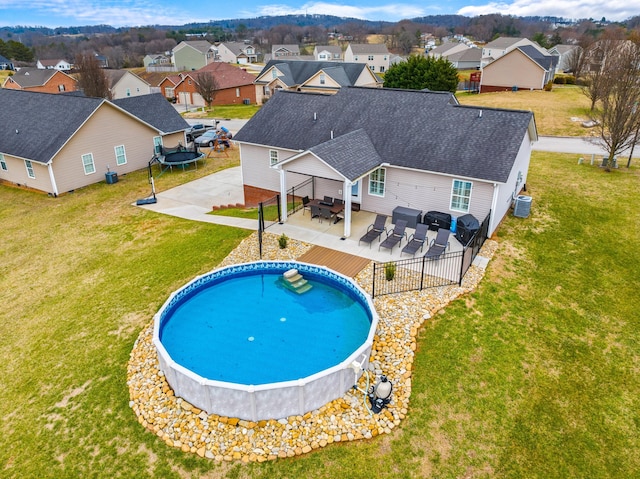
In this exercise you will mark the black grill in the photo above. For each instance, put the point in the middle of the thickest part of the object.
(437, 220)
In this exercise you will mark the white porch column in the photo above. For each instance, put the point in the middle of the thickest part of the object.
(283, 194)
(347, 208)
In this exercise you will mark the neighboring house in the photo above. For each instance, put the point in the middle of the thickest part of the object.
(6, 64)
(563, 54)
(42, 152)
(234, 86)
(524, 68)
(374, 55)
(468, 59)
(102, 60)
(45, 81)
(447, 48)
(503, 45)
(236, 52)
(327, 53)
(286, 52)
(386, 148)
(310, 76)
(192, 55)
(123, 84)
(158, 59)
(57, 64)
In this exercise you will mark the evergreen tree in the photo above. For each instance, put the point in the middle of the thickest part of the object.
(419, 72)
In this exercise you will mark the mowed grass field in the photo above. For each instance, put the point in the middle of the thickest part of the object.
(558, 112)
(534, 375)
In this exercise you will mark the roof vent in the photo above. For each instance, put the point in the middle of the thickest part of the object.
(480, 114)
(332, 134)
(315, 116)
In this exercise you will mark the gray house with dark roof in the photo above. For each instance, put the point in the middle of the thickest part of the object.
(387, 148)
(41, 152)
(312, 76)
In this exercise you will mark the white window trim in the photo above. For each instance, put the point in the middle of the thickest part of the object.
(273, 155)
(157, 142)
(124, 155)
(453, 185)
(84, 165)
(30, 172)
(3, 163)
(372, 181)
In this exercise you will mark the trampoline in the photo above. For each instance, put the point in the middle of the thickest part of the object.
(180, 156)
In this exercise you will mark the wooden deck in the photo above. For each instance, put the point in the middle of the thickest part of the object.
(344, 263)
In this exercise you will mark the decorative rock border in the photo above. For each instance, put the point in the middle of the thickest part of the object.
(182, 425)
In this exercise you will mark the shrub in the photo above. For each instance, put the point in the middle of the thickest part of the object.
(548, 86)
(389, 271)
(570, 80)
(282, 241)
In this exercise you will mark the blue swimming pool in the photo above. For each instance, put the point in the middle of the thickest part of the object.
(239, 342)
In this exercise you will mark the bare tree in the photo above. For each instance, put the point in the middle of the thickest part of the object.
(207, 86)
(619, 107)
(91, 77)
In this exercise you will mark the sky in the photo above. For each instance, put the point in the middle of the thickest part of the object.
(123, 13)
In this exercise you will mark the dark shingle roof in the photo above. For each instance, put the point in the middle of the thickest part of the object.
(352, 154)
(547, 62)
(296, 72)
(414, 129)
(30, 77)
(155, 110)
(44, 122)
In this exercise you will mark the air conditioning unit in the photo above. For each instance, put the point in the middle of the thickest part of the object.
(522, 207)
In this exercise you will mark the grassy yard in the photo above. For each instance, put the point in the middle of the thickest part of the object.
(556, 112)
(533, 375)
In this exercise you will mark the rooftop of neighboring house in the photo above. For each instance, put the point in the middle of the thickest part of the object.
(296, 72)
(28, 77)
(369, 48)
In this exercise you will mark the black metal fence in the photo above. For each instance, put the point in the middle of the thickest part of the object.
(296, 193)
(421, 273)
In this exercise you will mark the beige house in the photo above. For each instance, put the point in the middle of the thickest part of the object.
(327, 53)
(97, 136)
(523, 68)
(192, 55)
(375, 55)
(57, 64)
(236, 52)
(314, 77)
(503, 45)
(123, 84)
(447, 48)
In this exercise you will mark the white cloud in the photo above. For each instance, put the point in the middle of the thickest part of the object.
(612, 10)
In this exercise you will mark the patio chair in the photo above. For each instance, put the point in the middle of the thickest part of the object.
(374, 230)
(416, 240)
(438, 245)
(325, 213)
(315, 211)
(305, 204)
(395, 235)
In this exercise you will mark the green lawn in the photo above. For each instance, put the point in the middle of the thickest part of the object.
(533, 375)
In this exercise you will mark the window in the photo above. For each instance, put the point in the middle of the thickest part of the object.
(376, 182)
(168, 92)
(157, 144)
(355, 191)
(323, 79)
(460, 196)
(381, 69)
(29, 166)
(3, 163)
(60, 87)
(372, 68)
(273, 157)
(274, 73)
(237, 92)
(370, 58)
(121, 157)
(88, 164)
(128, 93)
(355, 59)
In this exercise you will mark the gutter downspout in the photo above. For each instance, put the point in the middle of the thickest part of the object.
(52, 178)
(494, 203)
(283, 193)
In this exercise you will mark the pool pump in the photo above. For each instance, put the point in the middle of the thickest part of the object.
(380, 394)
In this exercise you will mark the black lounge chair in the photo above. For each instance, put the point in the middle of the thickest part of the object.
(374, 230)
(416, 240)
(438, 245)
(395, 235)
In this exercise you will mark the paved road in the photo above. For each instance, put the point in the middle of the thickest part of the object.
(584, 147)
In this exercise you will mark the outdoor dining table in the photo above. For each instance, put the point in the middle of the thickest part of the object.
(334, 208)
